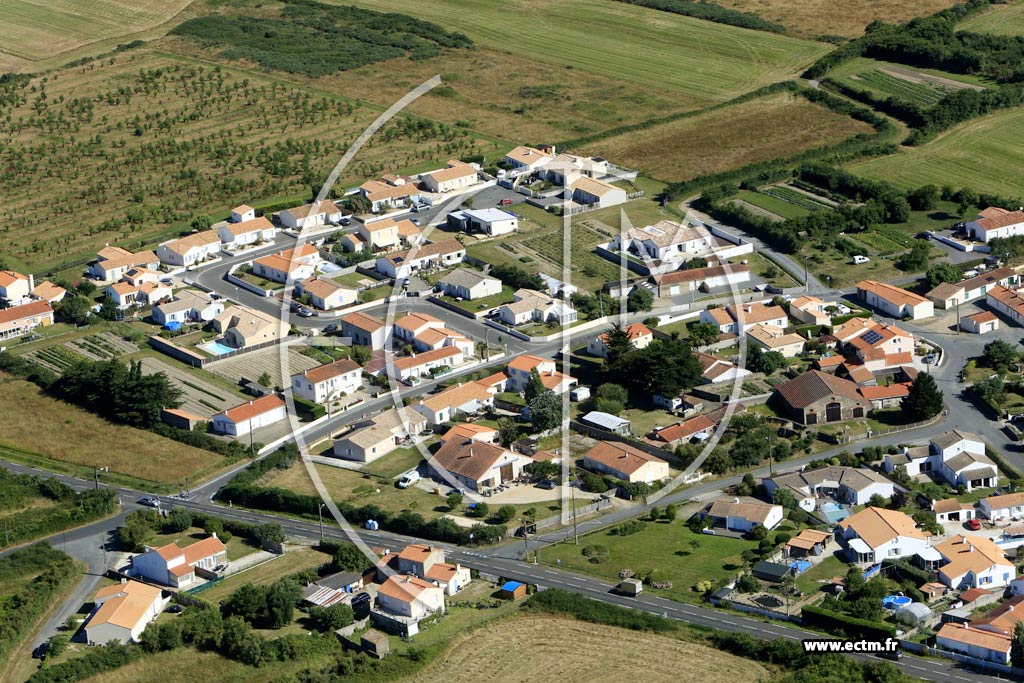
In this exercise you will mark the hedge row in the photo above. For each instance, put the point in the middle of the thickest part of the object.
(845, 624)
(71, 508)
(557, 601)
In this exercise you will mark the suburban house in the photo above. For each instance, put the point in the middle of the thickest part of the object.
(665, 245)
(401, 265)
(476, 466)
(243, 327)
(411, 325)
(334, 589)
(177, 567)
(311, 215)
(122, 612)
(457, 175)
(409, 368)
(886, 396)
(328, 382)
(475, 432)
(1008, 302)
(974, 562)
(739, 320)
(894, 301)
(714, 370)
(427, 562)
(377, 436)
(365, 330)
(995, 222)
(952, 510)
(565, 168)
(528, 158)
(187, 305)
(190, 250)
(49, 292)
(883, 347)
(391, 192)
(380, 235)
(875, 534)
(14, 286)
(326, 294)
(446, 406)
(250, 416)
(242, 213)
(743, 516)
(469, 284)
(410, 597)
(699, 428)
(19, 320)
(1002, 508)
(974, 642)
(810, 310)
(849, 485)
(247, 232)
(520, 369)
(625, 462)
(771, 338)
(113, 262)
(815, 397)
(703, 279)
(980, 323)
(640, 337)
(436, 338)
(292, 264)
(126, 294)
(594, 192)
(957, 457)
(529, 305)
(949, 294)
(489, 221)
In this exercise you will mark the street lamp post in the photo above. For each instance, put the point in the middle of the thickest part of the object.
(768, 439)
(320, 513)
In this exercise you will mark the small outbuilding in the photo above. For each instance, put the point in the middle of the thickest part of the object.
(375, 643)
(512, 590)
(607, 422)
(771, 571)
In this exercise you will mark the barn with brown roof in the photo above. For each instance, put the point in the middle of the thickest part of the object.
(816, 398)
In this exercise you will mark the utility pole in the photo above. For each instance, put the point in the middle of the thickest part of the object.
(526, 539)
(320, 513)
(768, 438)
(575, 529)
(958, 316)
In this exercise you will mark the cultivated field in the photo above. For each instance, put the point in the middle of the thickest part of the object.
(36, 30)
(137, 145)
(252, 365)
(58, 431)
(812, 18)
(580, 651)
(1002, 20)
(777, 125)
(883, 79)
(983, 154)
(668, 52)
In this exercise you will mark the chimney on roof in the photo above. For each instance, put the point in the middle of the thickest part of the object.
(31, 282)
(214, 534)
(124, 580)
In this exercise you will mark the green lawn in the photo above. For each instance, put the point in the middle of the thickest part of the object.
(253, 279)
(777, 206)
(396, 462)
(265, 573)
(487, 302)
(237, 546)
(984, 154)
(810, 580)
(660, 545)
(708, 61)
(1002, 20)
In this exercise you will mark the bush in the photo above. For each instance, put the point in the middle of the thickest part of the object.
(331, 618)
(557, 601)
(748, 583)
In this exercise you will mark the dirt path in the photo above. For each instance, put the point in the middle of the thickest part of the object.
(918, 77)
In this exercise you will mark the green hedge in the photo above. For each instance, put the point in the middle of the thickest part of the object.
(70, 509)
(557, 601)
(850, 626)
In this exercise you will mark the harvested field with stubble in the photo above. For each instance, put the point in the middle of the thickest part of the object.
(778, 125)
(61, 432)
(578, 652)
(813, 18)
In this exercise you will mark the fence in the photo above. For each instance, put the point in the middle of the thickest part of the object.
(598, 433)
(556, 520)
(840, 440)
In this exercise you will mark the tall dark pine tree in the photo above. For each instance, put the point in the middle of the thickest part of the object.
(925, 399)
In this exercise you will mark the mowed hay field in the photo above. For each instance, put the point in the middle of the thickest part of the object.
(669, 52)
(35, 30)
(527, 649)
(154, 668)
(984, 154)
(813, 18)
(130, 149)
(1002, 20)
(38, 424)
(778, 125)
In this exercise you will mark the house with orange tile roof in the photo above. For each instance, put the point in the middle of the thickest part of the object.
(771, 338)
(326, 294)
(980, 323)
(995, 222)
(625, 462)
(14, 286)
(1007, 302)
(521, 368)
(894, 301)
(428, 562)
(434, 362)
(974, 562)
(122, 612)
(242, 213)
(476, 466)
(410, 597)
(474, 432)
(376, 436)
(596, 192)
(640, 337)
(249, 416)
(408, 326)
(948, 294)
(329, 381)
(311, 215)
(190, 250)
(446, 406)
(457, 175)
(172, 565)
(875, 534)
(739, 319)
(49, 292)
(699, 427)
(365, 330)
(392, 192)
(243, 327)
(126, 294)
(815, 397)
(811, 310)
(113, 262)
(974, 642)
(400, 265)
(248, 232)
(291, 264)
(529, 158)
(19, 320)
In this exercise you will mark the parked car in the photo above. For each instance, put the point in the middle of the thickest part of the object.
(408, 479)
(973, 524)
(505, 202)
(304, 312)
(150, 501)
(174, 609)
(929, 359)
(547, 484)
(331, 329)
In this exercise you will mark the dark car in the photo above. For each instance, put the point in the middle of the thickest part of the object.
(175, 609)
(547, 484)
(361, 605)
(894, 655)
(331, 329)
(150, 501)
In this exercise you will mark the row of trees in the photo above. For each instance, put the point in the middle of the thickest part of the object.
(23, 523)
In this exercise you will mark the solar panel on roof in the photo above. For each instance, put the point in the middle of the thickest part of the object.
(871, 337)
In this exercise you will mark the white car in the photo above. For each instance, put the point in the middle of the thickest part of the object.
(408, 479)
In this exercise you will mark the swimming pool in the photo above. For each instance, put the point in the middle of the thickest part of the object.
(834, 512)
(216, 348)
(895, 601)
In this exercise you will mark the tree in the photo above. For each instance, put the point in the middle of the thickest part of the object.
(617, 343)
(534, 386)
(349, 558)
(1017, 645)
(942, 272)
(280, 604)
(135, 533)
(767, 362)
(924, 400)
(924, 198)
(702, 334)
(999, 355)
(74, 309)
(991, 390)
(248, 601)
(508, 431)
(327, 619)
(916, 259)
(546, 411)
(505, 513)
(201, 223)
(361, 354)
(179, 520)
(265, 379)
(784, 497)
(639, 300)
(665, 367)
(453, 501)
(86, 288)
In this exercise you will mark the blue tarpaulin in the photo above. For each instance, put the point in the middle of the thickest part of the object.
(173, 326)
(510, 586)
